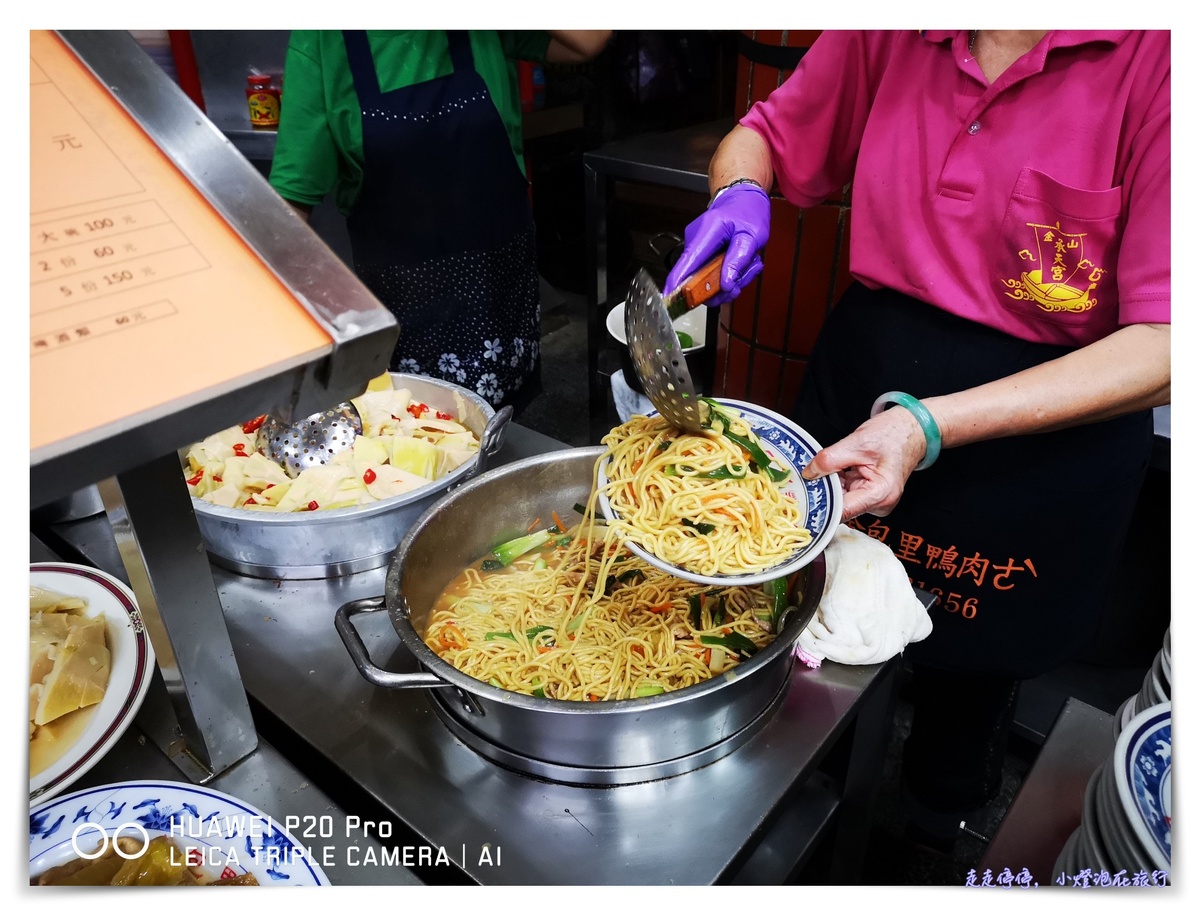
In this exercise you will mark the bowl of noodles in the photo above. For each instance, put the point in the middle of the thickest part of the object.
(571, 658)
(723, 507)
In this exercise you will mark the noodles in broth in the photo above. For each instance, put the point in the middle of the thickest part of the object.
(583, 619)
(573, 614)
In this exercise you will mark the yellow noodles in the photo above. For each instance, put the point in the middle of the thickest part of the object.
(543, 626)
(581, 618)
(665, 503)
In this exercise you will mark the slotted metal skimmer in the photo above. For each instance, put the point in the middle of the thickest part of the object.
(311, 441)
(658, 357)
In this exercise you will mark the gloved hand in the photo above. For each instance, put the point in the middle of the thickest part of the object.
(739, 221)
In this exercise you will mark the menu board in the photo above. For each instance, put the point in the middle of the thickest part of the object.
(140, 293)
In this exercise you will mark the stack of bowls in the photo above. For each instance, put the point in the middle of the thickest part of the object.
(1124, 835)
(1156, 689)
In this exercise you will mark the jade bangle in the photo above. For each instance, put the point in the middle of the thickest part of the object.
(933, 435)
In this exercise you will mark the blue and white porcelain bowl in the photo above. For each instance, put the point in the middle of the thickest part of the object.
(820, 500)
(1142, 759)
(221, 835)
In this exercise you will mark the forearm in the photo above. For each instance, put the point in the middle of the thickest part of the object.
(575, 46)
(742, 154)
(1126, 371)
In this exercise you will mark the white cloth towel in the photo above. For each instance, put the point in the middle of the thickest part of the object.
(868, 611)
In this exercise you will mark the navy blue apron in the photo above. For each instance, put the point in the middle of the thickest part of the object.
(1019, 536)
(442, 232)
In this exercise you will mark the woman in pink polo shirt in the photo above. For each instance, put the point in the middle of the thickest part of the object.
(1011, 252)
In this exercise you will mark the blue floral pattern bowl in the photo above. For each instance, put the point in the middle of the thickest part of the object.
(792, 448)
(219, 834)
(1143, 769)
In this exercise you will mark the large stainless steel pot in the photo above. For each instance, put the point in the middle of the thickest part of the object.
(612, 742)
(342, 541)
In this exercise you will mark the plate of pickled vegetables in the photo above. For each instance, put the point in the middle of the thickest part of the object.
(90, 664)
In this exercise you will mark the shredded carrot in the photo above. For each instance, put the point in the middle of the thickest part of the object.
(542, 649)
(707, 657)
(660, 608)
(641, 652)
(558, 521)
(727, 514)
(592, 697)
(536, 522)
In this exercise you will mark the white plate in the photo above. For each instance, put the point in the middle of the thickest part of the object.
(1120, 717)
(132, 665)
(821, 500)
(213, 829)
(1142, 761)
(1067, 863)
(1091, 837)
(1162, 683)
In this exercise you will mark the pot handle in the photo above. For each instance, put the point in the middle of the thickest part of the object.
(358, 651)
(489, 443)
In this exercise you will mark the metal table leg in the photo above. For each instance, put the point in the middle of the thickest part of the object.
(597, 189)
(872, 730)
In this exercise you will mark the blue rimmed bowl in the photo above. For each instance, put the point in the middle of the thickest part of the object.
(791, 448)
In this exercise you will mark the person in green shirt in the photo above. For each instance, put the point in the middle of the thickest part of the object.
(417, 134)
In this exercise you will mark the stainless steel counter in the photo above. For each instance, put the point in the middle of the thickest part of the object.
(752, 816)
(694, 828)
(1048, 807)
(265, 780)
(701, 827)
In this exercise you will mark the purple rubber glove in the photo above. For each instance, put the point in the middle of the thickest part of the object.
(739, 221)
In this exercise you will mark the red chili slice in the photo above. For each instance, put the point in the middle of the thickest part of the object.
(313, 506)
(417, 410)
(197, 478)
(253, 425)
(440, 415)
(368, 476)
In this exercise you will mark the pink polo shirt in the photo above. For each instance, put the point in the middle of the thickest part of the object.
(1039, 205)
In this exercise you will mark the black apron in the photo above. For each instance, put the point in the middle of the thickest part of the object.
(442, 232)
(1019, 536)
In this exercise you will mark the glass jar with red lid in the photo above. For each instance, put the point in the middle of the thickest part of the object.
(263, 98)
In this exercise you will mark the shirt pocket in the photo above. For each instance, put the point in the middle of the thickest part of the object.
(1057, 256)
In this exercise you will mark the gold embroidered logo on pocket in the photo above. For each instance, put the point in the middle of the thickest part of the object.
(1060, 277)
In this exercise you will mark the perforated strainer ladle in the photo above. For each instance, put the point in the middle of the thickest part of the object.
(654, 346)
(311, 441)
